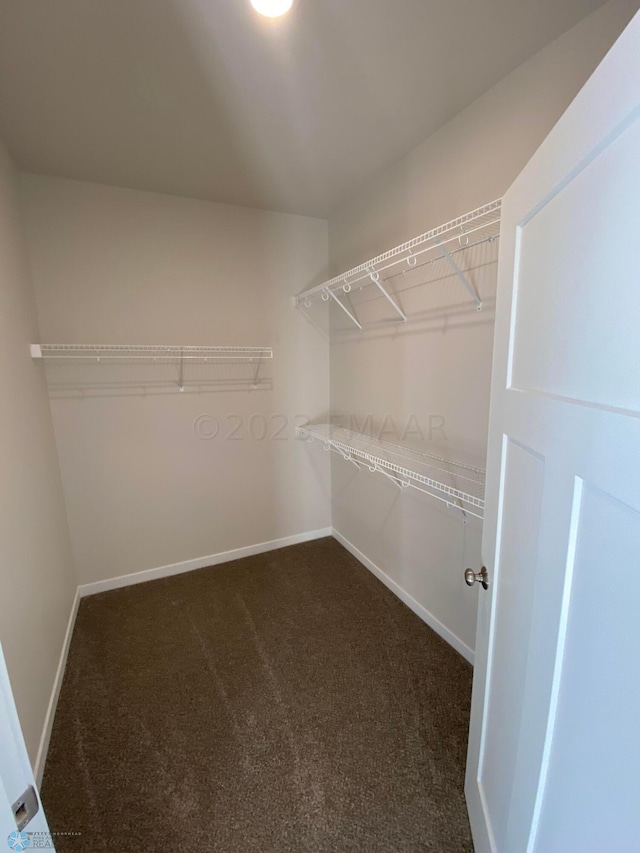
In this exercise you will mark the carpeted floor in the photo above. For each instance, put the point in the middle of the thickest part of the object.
(282, 703)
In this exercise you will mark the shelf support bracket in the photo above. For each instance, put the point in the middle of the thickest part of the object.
(181, 383)
(464, 280)
(255, 375)
(331, 294)
(375, 278)
(397, 482)
(329, 445)
(349, 458)
(460, 510)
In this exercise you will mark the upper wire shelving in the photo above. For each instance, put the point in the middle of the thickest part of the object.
(443, 242)
(253, 357)
(119, 352)
(456, 484)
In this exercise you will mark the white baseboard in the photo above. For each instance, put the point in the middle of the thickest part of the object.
(141, 577)
(408, 599)
(200, 562)
(43, 748)
(213, 560)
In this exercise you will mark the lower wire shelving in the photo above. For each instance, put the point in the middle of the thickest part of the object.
(458, 485)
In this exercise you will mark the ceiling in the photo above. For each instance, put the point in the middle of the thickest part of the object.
(205, 98)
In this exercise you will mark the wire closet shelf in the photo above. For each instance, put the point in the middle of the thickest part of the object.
(445, 241)
(456, 484)
(101, 352)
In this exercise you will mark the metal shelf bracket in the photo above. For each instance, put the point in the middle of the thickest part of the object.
(375, 278)
(401, 484)
(465, 281)
(351, 316)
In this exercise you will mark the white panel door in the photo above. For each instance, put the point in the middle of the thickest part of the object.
(554, 749)
(16, 776)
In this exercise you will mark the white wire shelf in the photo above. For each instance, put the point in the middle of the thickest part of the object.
(475, 227)
(456, 484)
(119, 352)
(190, 360)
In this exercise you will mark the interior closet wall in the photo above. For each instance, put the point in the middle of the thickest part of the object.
(144, 488)
(37, 580)
(440, 365)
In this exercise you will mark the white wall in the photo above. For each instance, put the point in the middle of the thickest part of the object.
(37, 580)
(441, 364)
(124, 267)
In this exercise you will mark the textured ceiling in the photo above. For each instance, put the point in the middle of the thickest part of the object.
(205, 98)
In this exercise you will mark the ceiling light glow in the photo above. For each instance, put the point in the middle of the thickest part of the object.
(272, 8)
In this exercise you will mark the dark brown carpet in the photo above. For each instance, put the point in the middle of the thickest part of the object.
(282, 703)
